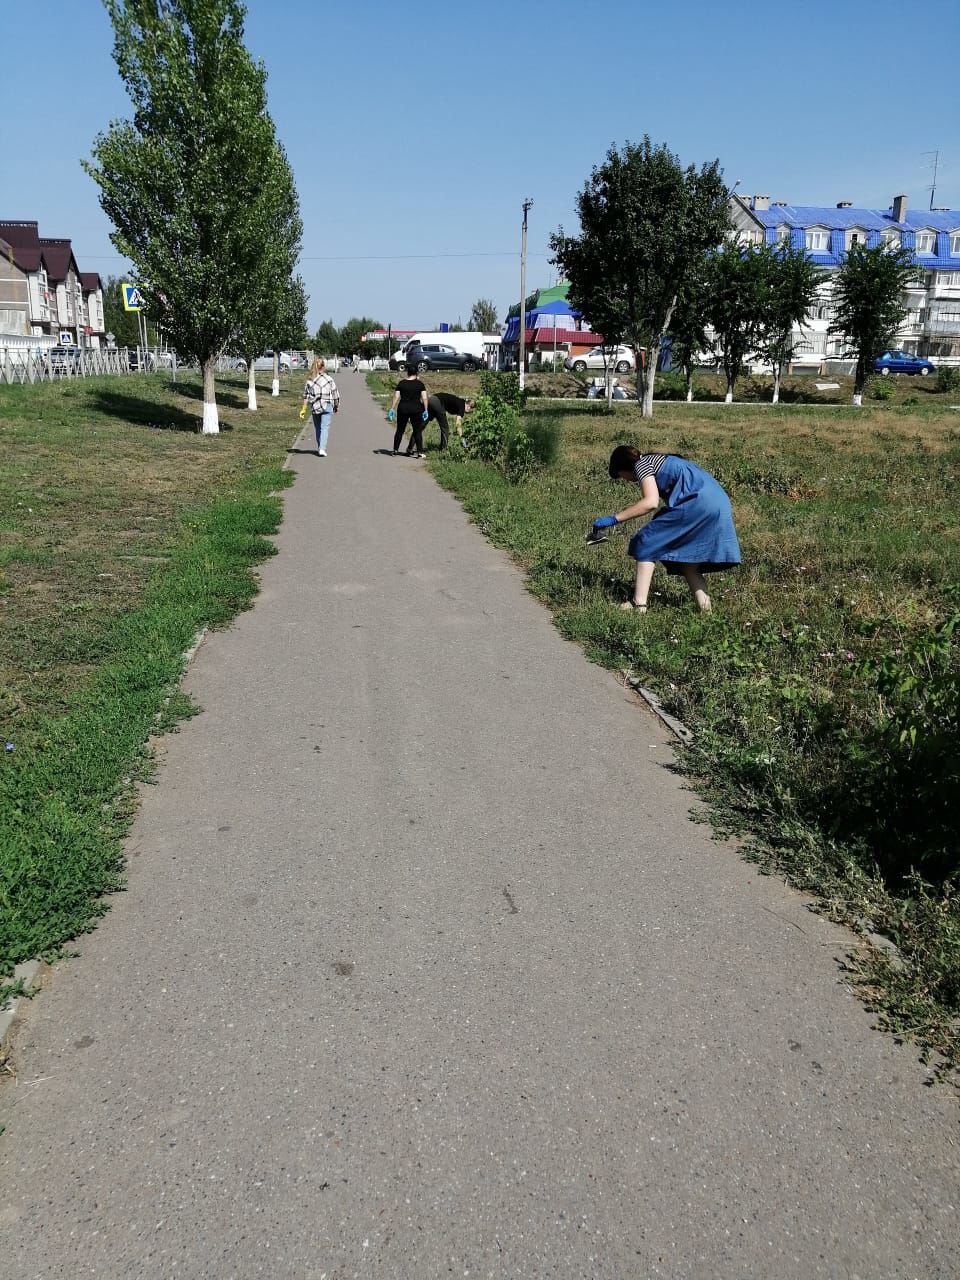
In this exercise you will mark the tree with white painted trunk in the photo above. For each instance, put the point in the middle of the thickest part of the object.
(791, 294)
(183, 182)
(645, 222)
(275, 312)
(688, 324)
(868, 296)
(738, 284)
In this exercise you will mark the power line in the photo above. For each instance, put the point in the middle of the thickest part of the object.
(342, 257)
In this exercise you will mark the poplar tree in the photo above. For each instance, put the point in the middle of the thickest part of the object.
(183, 181)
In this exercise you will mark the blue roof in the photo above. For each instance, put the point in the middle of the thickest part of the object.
(800, 218)
(812, 215)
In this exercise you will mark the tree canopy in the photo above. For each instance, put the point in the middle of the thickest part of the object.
(645, 222)
(483, 316)
(188, 182)
(868, 303)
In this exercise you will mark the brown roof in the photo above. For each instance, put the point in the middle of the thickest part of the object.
(58, 257)
(90, 281)
(24, 240)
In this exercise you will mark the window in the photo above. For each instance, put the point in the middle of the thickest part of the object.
(818, 241)
(949, 278)
(926, 241)
(783, 235)
(43, 291)
(856, 236)
(890, 239)
(955, 243)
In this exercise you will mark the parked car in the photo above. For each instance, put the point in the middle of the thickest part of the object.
(63, 359)
(600, 358)
(435, 355)
(903, 362)
(266, 362)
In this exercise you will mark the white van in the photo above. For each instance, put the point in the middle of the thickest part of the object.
(471, 344)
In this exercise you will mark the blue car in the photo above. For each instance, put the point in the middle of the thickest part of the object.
(903, 362)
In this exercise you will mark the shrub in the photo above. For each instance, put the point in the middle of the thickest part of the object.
(518, 458)
(671, 386)
(544, 431)
(948, 379)
(882, 391)
(487, 428)
(502, 389)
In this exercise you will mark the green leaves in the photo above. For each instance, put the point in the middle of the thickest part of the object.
(197, 186)
(868, 298)
(645, 224)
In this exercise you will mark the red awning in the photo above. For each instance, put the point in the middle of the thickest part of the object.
(546, 337)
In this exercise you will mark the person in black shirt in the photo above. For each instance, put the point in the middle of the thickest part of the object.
(442, 403)
(409, 406)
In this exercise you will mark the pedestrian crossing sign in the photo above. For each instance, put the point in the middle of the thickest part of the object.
(132, 297)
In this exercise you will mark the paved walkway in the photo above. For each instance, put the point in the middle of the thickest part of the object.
(423, 971)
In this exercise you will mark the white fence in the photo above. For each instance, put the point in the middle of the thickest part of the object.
(38, 364)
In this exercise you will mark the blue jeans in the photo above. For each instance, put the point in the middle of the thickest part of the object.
(321, 424)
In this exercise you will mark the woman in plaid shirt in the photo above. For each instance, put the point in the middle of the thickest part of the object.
(322, 396)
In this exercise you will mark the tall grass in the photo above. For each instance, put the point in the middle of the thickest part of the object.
(824, 690)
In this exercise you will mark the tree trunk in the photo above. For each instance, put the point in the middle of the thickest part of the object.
(690, 386)
(859, 378)
(275, 388)
(608, 383)
(653, 357)
(777, 369)
(728, 398)
(211, 419)
(251, 386)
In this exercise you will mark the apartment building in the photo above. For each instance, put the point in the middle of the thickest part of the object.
(931, 326)
(45, 299)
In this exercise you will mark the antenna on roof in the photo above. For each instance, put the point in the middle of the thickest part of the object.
(935, 165)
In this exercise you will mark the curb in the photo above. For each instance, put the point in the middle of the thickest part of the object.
(27, 973)
(676, 727)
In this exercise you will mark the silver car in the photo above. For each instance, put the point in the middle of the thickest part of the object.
(621, 358)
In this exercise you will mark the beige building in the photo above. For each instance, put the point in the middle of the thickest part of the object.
(45, 299)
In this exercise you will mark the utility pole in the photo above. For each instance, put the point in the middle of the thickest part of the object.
(523, 291)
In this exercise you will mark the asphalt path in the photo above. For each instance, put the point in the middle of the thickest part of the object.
(423, 969)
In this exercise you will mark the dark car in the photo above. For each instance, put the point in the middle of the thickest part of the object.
(434, 355)
(903, 362)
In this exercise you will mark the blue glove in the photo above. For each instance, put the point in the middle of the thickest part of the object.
(391, 415)
(425, 417)
(604, 522)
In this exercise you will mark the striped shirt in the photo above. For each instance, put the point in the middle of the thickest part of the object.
(648, 465)
(322, 393)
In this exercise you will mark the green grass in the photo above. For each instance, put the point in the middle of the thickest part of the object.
(824, 689)
(123, 532)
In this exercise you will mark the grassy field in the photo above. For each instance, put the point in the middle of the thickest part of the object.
(824, 689)
(123, 532)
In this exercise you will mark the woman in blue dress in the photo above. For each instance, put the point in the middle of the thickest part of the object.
(692, 534)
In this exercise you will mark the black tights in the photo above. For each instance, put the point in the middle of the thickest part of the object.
(413, 417)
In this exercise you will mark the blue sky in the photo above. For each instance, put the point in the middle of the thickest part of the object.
(415, 131)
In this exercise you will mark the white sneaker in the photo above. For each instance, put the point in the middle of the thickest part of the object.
(321, 453)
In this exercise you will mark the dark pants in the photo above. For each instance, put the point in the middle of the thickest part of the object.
(439, 415)
(413, 417)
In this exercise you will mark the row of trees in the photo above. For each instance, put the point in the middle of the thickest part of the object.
(349, 339)
(198, 186)
(654, 260)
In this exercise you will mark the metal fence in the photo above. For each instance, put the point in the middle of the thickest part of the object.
(38, 364)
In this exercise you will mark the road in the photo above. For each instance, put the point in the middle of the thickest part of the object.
(423, 970)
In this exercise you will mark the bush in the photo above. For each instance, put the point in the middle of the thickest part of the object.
(518, 458)
(671, 386)
(948, 379)
(544, 431)
(882, 391)
(489, 425)
(502, 389)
